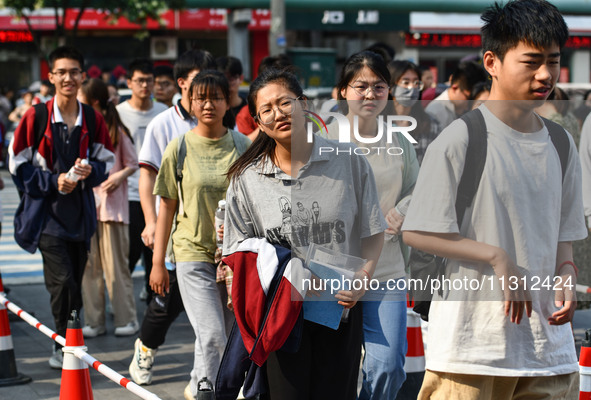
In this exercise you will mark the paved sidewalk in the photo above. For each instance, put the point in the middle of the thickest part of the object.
(32, 348)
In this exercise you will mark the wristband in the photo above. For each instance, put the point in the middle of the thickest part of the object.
(569, 263)
(366, 273)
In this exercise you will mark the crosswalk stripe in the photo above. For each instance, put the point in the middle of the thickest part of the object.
(16, 265)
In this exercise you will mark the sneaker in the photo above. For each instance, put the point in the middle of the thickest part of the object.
(188, 393)
(140, 368)
(90, 332)
(57, 358)
(144, 294)
(128, 330)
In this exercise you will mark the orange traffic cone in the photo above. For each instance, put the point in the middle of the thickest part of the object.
(8, 373)
(415, 355)
(414, 365)
(585, 367)
(75, 383)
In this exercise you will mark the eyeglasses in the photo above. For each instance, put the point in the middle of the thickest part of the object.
(362, 89)
(266, 115)
(201, 101)
(74, 73)
(163, 84)
(406, 83)
(143, 81)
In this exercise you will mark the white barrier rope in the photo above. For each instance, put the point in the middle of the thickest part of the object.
(79, 353)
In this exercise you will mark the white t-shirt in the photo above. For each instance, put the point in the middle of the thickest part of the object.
(395, 176)
(137, 121)
(442, 110)
(522, 206)
(163, 128)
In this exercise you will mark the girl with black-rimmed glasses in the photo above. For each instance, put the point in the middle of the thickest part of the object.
(363, 96)
(292, 190)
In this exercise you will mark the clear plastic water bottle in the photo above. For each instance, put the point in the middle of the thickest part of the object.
(220, 214)
(72, 175)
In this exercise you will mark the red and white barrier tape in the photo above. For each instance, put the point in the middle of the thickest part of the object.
(79, 353)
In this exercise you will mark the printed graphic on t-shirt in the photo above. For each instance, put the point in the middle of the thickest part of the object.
(305, 225)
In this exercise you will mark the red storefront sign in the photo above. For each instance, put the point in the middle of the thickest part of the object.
(15, 36)
(442, 40)
(474, 41)
(261, 20)
(203, 19)
(100, 20)
(578, 42)
(193, 19)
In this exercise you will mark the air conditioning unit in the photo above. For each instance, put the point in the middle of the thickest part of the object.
(163, 48)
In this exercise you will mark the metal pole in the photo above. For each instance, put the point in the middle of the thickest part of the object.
(239, 37)
(277, 41)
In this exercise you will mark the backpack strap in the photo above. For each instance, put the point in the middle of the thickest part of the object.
(181, 154)
(474, 163)
(560, 141)
(239, 142)
(39, 124)
(180, 157)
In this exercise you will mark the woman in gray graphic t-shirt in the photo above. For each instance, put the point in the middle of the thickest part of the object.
(296, 189)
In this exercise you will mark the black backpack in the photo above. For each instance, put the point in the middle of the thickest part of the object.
(424, 266)
(40, 123)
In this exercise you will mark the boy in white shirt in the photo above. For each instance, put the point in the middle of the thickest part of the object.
(503, 343)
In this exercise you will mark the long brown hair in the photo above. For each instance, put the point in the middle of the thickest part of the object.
(96, 90)
(263, 146)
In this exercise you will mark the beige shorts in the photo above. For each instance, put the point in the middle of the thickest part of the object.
(448, 386)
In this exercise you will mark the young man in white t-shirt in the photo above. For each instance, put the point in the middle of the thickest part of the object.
(517, 342)
(136, 113)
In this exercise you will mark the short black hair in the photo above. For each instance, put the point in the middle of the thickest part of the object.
(479, 88)
(208, 82)
(229, 65)
(398, 68)
(278, 62)
(355, 64)
(142, 65)
(68, 52)
(164, 70)
(536, 22)
(383, 49)
(191, 60)
(467, 74)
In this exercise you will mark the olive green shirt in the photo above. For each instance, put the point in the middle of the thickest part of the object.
(204, 183)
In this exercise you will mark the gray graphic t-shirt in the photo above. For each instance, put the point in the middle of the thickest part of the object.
(332, 202)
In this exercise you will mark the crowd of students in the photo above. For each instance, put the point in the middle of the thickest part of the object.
(157, 169)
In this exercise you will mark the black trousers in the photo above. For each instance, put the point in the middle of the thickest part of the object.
(137, 223)
(160, 314)
(63, 266)
(325, 367)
